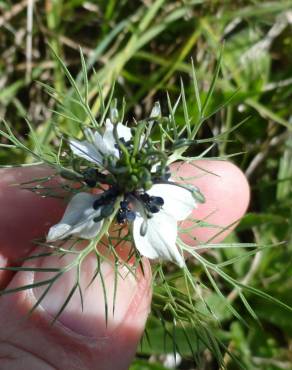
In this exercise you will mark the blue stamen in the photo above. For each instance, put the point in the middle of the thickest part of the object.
(131, 215)
(124, 204)
(152, 204)
(121, 216)
(153, 208)
(157, 200)
(125, 213)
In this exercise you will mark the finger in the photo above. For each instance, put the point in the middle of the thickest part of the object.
(227, 195)
(24, 216)
(80, 339)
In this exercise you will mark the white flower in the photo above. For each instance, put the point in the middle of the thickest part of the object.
(100, 145)
(154, 215)
(159, 239)
(78, 219)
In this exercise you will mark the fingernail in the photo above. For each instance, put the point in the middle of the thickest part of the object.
(101, 315)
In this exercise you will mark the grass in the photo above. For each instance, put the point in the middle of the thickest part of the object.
(147, 47)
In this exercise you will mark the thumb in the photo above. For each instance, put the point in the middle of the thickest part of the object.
(79, 339)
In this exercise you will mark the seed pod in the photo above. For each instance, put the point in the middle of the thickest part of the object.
(134, 179)
(148, 185)
(145, 175)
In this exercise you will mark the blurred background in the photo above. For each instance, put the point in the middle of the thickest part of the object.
(147, 46)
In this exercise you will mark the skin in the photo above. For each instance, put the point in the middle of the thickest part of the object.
(81, 340)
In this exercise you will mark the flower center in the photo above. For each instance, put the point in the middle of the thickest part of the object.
(126, 212)
(151, 205)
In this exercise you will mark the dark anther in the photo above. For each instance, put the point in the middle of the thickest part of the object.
(106, 198)
(145, 197)
(98, 218)
(152, 204)
(157, 201)
(107, 210)
(125, 213)
(153, 208)
(112, 193)
(124, 204)
(98, 202)
(90, 177)
(131, 215)
(121, 216)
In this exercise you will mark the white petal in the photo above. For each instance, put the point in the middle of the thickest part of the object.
(99, 143)
(178, 202)
(156, 110)
(86, 150)
(123, 131)
(96, 139)
(77, 219)
(160, 238)
(155, 167)
(109, 140)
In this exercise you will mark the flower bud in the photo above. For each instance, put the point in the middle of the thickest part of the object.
(114, 115)
(156, 110)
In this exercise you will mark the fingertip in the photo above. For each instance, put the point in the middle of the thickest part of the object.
(227, 195)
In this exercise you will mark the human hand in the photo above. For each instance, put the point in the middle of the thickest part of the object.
(81, 340)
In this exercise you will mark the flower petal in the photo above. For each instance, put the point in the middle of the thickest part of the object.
(77, 219)
(86, 150)
(178, 202)
(99, 143)
(109, 140)
(160, 238)
(124, 132)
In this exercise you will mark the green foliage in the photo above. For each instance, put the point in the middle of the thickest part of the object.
(148, 49)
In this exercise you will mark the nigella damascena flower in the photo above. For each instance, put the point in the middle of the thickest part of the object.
(142, 195)
(100, 145)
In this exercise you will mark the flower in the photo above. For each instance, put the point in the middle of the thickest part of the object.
(152, 210)
(98, 146)
(82, 218)
(159, 240)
